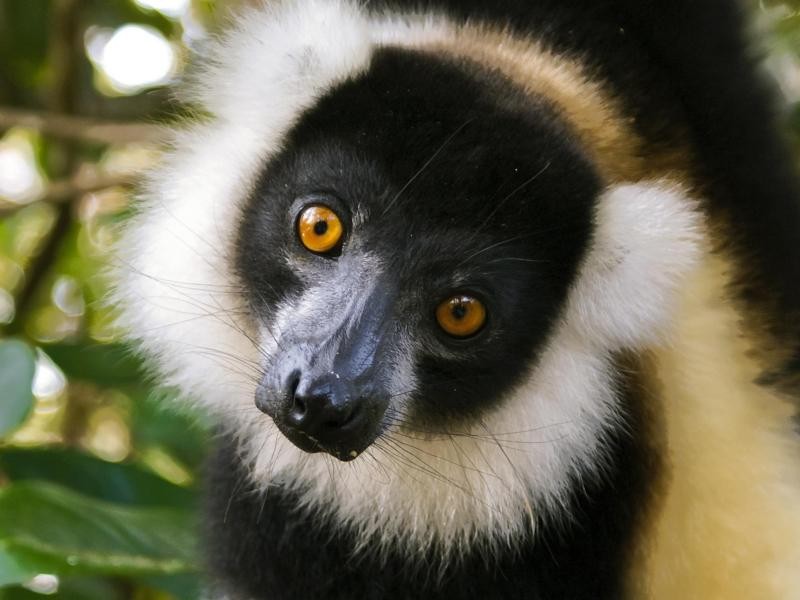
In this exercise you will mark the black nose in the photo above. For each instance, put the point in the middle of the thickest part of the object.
(325, 413)
(322, 410)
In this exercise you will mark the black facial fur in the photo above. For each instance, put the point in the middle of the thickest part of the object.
(453, 183)
(681, 71)
(686, 74)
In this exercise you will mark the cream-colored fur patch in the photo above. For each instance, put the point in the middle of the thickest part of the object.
(729, 525)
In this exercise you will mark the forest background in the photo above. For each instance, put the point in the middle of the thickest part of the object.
(98, 470)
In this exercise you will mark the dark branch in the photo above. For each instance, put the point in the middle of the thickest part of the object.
(65, 55)
(66, 190)
(68, 127)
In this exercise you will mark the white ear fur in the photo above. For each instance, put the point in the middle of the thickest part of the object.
(647, 238)
(279, 56)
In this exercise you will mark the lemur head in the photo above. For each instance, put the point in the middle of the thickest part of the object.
(387, 249)
(407, 251)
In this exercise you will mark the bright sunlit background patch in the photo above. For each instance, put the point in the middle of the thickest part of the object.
(21, 181)
(131, 58)
(49, 381)
(171, 8)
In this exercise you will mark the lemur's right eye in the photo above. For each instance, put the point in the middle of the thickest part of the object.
(461, 316)
(320, 229)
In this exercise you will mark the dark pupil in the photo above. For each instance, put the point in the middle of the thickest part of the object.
(460, 311)
(321, 227)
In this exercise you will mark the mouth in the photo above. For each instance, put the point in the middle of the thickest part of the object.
(309, 444)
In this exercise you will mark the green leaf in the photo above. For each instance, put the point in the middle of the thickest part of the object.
(23, 45)
(87, 589)
(103, 364)
(13, 568)
(119, 483)
(71, 589)
(114, 14)
(157, 421)
(181, 587)
(18, 565)
(17, 367)
(73, 534)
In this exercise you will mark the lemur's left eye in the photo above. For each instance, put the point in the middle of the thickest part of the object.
(461, 316)
(319, 228)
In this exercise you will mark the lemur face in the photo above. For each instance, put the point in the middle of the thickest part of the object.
(405, 240)
(407, 252)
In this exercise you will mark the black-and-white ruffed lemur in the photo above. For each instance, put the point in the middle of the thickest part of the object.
(490, 299)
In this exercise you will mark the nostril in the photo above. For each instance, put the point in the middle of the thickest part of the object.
(292, 383)
(340, 419)
(323, 407)
(299, 407)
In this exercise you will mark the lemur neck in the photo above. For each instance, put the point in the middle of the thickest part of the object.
(731, 492)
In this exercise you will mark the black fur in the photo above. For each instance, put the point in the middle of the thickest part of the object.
(683, 73)
(263, 548)
(462, 181)
(685, 67)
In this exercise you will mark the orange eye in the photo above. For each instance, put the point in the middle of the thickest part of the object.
(319, 228)
(461, 316)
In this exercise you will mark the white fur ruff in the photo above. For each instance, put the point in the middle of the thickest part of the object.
(182, 304)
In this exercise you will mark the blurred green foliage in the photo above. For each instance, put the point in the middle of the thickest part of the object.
(98, 477)
(17, 368)
(98, 473)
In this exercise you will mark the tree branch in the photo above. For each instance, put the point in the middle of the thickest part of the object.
(70, 189)
(69, 127)
(65, 55)
(66, 190)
